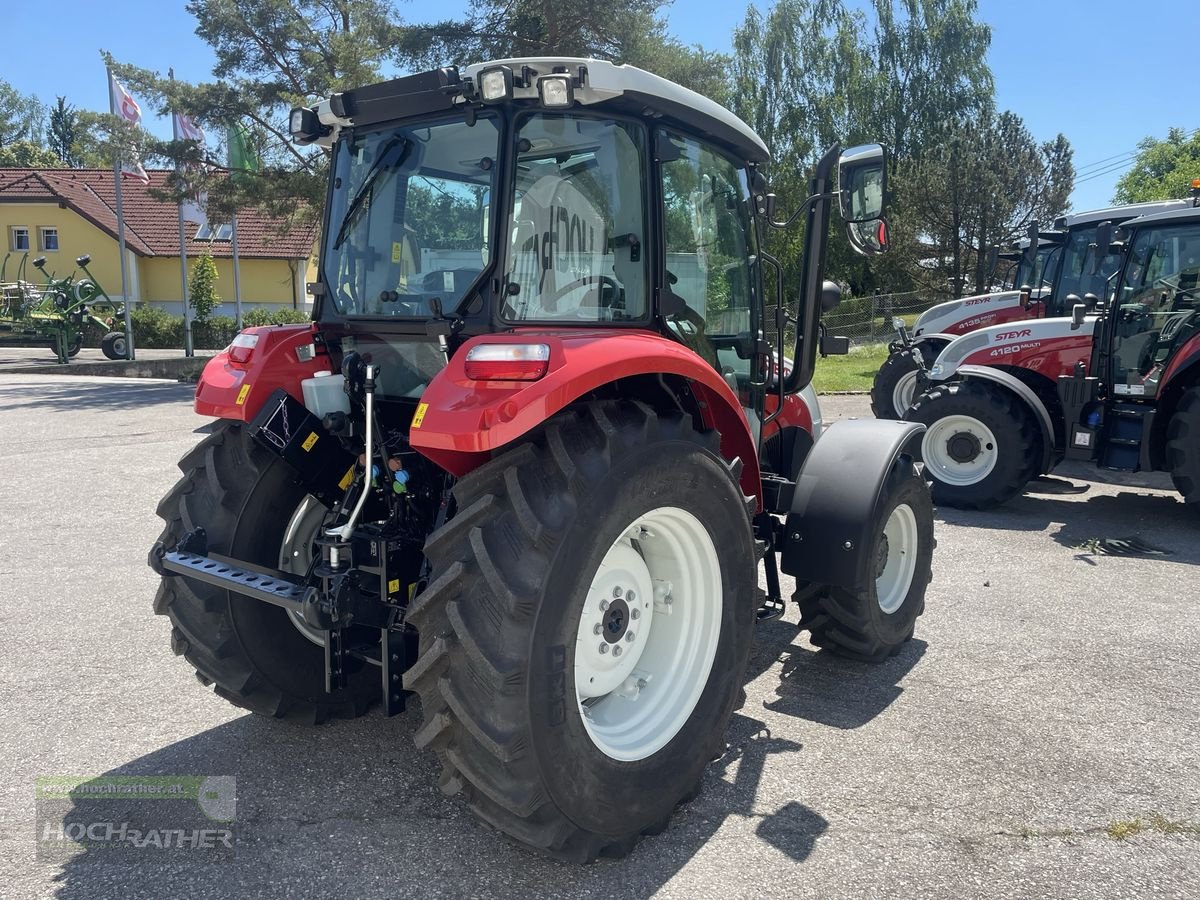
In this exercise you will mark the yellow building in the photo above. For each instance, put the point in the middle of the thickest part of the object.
(65, 213)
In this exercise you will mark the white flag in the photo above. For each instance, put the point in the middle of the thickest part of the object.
(127, 108)
(192, 209)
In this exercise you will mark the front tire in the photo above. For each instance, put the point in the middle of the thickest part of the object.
(895, 385)
(875, 623)
(549, 739)
(981, 445)
(251, 651)
(1183, 446)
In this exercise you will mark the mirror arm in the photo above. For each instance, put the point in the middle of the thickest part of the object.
(816, 237)
(803, 207)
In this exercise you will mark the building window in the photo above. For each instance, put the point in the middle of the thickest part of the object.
(47, 239)
(220, 233)
(18, 239)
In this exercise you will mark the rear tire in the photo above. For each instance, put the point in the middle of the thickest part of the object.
(113, 345)
(251, 651)
(874, 624)
(504, 629)
(981, 445)
(1183, 446)
(897, 380)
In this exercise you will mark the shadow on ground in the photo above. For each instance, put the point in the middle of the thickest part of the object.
(108, 395)
(1161, 520)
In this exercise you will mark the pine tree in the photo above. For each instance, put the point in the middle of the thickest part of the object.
(64, 133)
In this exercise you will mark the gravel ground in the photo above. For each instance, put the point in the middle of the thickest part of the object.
(1049, 699)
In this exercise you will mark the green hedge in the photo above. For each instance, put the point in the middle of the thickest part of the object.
(156, 328)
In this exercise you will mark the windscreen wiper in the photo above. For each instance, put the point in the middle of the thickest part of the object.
(390, 156)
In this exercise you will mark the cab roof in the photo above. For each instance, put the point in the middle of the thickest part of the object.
(1117, 213)
(1186, 214)
(624, 88)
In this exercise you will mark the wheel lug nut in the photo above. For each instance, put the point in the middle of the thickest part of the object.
(604, 648)
(617, 592)
(604, 604)
(629, 637)
(635, 614)
(631, 596)
(617, 650)
(597, 628)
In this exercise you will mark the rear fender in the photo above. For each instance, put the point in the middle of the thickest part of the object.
(230, 390)
(461, 422)
(1027, 396)
(828, 535)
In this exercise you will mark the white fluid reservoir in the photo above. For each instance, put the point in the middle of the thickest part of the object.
(325, 393)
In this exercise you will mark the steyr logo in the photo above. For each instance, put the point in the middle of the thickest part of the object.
(976, 301)
(1014, 335)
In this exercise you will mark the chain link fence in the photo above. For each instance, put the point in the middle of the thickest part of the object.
(868, 320)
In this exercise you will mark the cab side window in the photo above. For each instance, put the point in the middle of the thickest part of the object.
(709, 252)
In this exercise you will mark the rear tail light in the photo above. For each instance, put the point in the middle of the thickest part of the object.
(242, 348)
(507, 362)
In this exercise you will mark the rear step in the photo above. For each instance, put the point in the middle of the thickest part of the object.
(234, 575)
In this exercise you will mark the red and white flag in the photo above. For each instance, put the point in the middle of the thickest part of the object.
(127, 108)
(192, 208)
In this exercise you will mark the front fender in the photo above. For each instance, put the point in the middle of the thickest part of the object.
(460, 422)
(827, 539)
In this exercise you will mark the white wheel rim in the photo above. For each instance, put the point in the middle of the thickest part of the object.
(943, 450)
(295, 555)
(636, 694)
(902, 393)
(898, 558)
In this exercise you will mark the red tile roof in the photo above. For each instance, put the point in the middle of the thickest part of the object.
(151, 225)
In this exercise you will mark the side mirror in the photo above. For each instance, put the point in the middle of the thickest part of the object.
(1078, 311)
(993, 259)
(868, 238)
(830, 345)
(862, 183)
(831, 296)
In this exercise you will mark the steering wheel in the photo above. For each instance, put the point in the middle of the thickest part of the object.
(551, 302)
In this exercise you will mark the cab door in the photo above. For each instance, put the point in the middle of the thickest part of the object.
(1157, 308)
(709, 279)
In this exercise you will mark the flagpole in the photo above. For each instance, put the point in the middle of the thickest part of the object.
(127, 301)
(237, 275)
(188, 348)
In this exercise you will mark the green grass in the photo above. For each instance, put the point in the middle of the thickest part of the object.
(853, 372)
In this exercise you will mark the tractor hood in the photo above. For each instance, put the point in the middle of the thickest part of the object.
(1011, 344)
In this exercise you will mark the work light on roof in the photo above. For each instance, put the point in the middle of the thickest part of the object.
(555, 91)
(495, 84)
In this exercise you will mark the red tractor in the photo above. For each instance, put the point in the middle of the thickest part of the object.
(1054, 265)
(531, 452)
(1120, 388)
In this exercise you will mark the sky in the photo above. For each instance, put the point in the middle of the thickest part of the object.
(1085, 68)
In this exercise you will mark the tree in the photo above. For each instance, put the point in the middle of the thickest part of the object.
(64, 133)
(1163, 169)
(22, 118)
(271, 55)
(983, 185)
(202, 288)
(28, 155)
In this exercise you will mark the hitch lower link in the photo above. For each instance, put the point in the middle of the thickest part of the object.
(332, 599)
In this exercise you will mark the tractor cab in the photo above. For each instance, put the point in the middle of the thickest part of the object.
(1146, 353)
(552, 194)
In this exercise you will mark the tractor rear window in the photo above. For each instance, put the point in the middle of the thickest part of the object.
(407, 223)
(578, 244)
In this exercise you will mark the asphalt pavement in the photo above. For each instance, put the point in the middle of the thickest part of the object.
(1038, 738)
